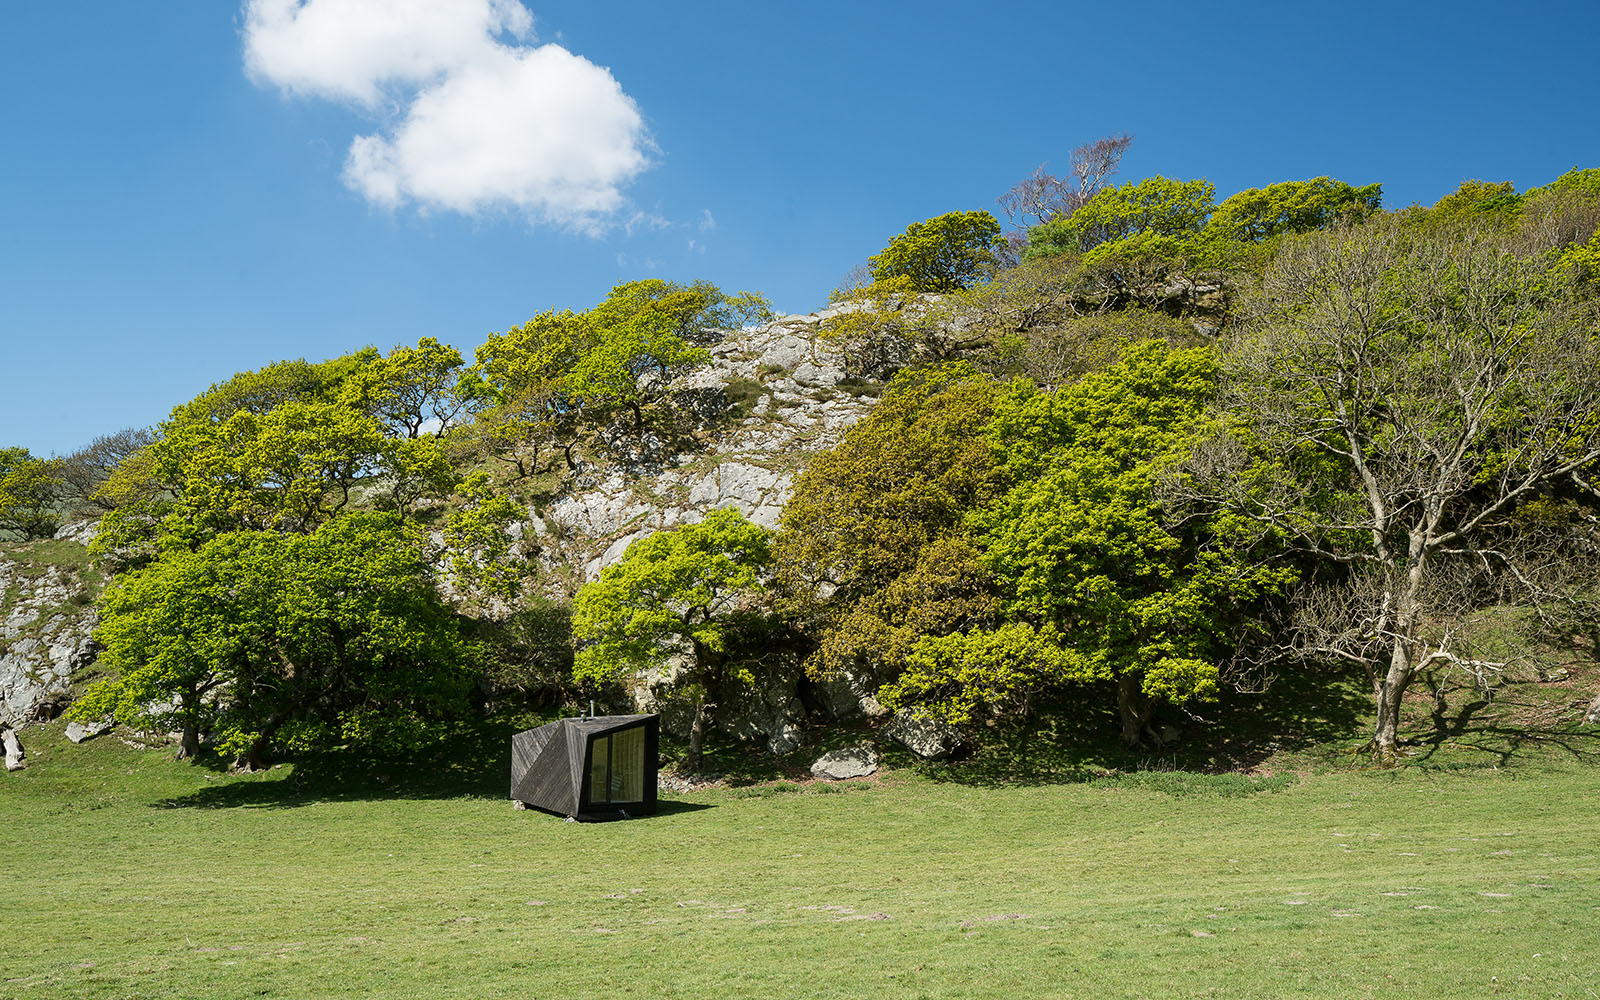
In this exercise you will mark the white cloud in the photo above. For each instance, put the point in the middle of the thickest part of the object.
(486, 119)
(708, 221)
(651, 221)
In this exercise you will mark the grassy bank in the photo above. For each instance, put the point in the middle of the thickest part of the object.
(129, 875)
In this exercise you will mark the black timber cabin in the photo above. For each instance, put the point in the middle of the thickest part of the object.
(592, 767)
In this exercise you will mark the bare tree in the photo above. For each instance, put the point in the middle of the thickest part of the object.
(1420, 413)
(85, 470)
(1041, 196)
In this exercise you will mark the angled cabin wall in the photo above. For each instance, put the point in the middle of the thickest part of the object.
(599, 766)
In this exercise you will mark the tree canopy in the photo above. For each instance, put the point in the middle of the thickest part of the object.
(29, 489)
(942, 254)
(1419, 411)
(688, 590)
(339, 632)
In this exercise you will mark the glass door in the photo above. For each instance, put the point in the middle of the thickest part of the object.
(616, 767)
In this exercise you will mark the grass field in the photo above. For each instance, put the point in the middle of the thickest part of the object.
(1474, 872)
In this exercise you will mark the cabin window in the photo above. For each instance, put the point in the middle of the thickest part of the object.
(616, 767)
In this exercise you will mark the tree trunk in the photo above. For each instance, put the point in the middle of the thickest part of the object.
(697, 735)
(254, 759)
(189, 743)
(1389, 688)
(1135, 708)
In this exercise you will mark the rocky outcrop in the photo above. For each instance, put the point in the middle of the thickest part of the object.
(45, 637)
(770, 397)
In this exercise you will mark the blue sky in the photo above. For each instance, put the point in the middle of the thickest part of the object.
(180, 199)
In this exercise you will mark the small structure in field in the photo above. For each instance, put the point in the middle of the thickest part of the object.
(594, 767)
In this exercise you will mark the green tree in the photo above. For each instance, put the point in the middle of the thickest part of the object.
(29, 493)
(1100, 581)
(410, 388)
(1258, 214)
(335, 634)
(563, 374)
(1157, 206)
(634, 352)
(872, 542)
(1420, 415)
(943, 254)
(289, 469)
(690, 591)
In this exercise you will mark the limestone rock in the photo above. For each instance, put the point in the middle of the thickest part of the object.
(851, 762)
(44, 639)
(1592, 717)
(931, 739)
(77, 732)
(14, 754)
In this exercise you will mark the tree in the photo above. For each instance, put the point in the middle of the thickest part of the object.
(1098, 580)
(29, 493)
(1419, 414)
(564, 374)
(1258, 214)
(873, 543)
(289, 469)
(338, 633)
(689, 590)
(1157, 206)
(410, 389)
(86, 471)
(1041, 197)
(634, 353)
(942, 254)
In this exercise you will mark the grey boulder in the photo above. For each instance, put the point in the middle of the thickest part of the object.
(77, 732)
(931, 739)
(851, 762)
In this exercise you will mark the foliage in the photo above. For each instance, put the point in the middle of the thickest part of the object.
(529, 652)
(862, 512)
(691, 589)
(86, 472)
(289, 469)
(1156, 206)
(263, 390)
(562, 374)
(1099, 581)
(942, 254)
(410, 389)
(1259, 214)
(478, 539)
(1477, 202)
(28, 493)
(320, 633)
(1055, 354)
(1416, 404)
(1563, 213)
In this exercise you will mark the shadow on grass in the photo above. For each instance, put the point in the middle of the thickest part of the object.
(1077, 741)
(471, 760)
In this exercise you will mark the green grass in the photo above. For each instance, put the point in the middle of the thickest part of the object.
(1467, 874)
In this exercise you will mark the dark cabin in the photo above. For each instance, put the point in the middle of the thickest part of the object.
(599, 767)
